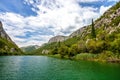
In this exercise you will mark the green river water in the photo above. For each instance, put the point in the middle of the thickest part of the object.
(47, 68)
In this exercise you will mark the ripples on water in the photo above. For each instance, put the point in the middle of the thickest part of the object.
(46, 68)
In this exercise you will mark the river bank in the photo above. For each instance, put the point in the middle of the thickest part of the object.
(91, 57)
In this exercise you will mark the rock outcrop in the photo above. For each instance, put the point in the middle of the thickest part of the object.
(110, 20)
(3, 34)
(57, 39)
(6, 43)
(77, 32)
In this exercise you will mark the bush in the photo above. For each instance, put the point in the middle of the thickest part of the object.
(106, 55)
(54, 51)
(91, 46)
(116, 21)
(63, 50)
(2, 43)
(82, 47)
(97, 46)
(85, 56)
(71, 52)
(115, 46)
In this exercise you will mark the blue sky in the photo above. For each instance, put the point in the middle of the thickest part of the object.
(31, 22)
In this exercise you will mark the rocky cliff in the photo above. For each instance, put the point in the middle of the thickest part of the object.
(7, 46)
(77, 32)
(3, 34)
(57, 39)
(110, 20)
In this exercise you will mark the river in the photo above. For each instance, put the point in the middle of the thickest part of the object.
(47, 68)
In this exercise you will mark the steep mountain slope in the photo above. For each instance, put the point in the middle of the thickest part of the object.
(110, 21)
(7, 46)
(107, 40)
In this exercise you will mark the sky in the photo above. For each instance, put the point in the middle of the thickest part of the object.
(34, 22)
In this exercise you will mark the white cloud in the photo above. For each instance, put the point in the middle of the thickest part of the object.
(103, 9)
(52, 17)
(89, 0)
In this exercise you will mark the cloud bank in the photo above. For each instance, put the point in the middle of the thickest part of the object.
(54, 17)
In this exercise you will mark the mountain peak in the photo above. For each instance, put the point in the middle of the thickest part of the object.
(3, 34)
(6, 44)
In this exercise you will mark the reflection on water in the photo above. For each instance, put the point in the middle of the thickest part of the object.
(46, 68)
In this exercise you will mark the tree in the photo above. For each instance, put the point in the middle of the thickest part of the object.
(54, 51)
(93, 34)
(63, 50)
(115, 46)
(82, 47)
(73, 50)
(91, 46)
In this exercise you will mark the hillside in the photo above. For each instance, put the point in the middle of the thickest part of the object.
(102, 37)
(29, 48)
(7, 46)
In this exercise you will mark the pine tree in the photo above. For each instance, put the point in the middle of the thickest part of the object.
(93, 34)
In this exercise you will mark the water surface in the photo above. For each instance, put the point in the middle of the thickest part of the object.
(47, 68)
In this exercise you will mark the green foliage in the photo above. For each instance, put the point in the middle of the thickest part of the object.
(105, 55)
(28, 48)
(115, 45)
(63, 50)
(5, 47)
(69, 42)
(85, 56)
(101, 33)
(82, 47)
(73, 50)
(91, 46)
(49, 46)
(93, 34)
(116, 21)
(111, 37)
(96, 46)
(2, 43)
(116, 6)
(54, 51)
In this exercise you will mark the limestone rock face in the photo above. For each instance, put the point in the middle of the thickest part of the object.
(77, 32)
(45, 51)
(106, 20)
(3, 34)
(6, 44)
(57, 39)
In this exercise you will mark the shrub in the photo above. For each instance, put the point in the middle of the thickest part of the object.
(115, 46)
(85, 56)
(82, 47)
(91, 46)
(63, 50)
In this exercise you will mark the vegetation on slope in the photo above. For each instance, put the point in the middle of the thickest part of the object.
(30, 48)
(100, 41)
(6, 48)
